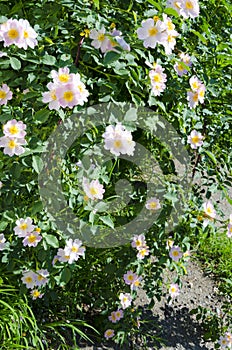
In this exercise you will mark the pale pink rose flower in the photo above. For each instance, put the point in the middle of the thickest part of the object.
(5, 94)
(193, 99)
(138, 241)
(32, 239)
(12, 32)
(152, 33)
(153, 204)
(13, 128)
(23, 227)
(195, 139)
(29, 278)
(125, 300)
(93, 189)
(109, 333)
(195, 83)
(50, 97)
(118, 140)
(142, 252)
(130, 277)
(35, 293)
(174, 290)
(63, 257)
(62, 76)
(209, 209)
(74, 249)
(67, 95)
(201, 93)
(29, 35)
(175, 253)
(100, 39)
(189, 8)
(119, 314)
(42, 277)
(113, 317)
(12, 145)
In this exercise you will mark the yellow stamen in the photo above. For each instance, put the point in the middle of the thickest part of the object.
(153, 31)
(13, 34)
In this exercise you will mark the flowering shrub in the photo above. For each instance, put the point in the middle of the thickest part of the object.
(55, 72)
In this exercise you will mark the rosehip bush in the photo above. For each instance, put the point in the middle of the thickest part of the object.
(86, 218)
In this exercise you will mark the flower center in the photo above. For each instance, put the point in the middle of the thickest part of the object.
(153, 205)
(74, 249)
(28, 279)
(175, 253)
(201, 93)
(170, 25)
(101, 37)
(2, 94)
(93, 191)
(176, 4)
(68, 96)
(13, 34)
(117, 144)
(195, 85)
(64, 78)
(195, 139)
(23, 226)
(153, 31)
(195, 97)
(189, 5)
(36, 293)
(31, 238)
(13, 129)
(25, 34)
(157, 78)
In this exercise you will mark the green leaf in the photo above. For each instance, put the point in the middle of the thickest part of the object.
(15, 63)
(111, 57)
(65, 275)
(131, 115)
(107, 220)
(42, 115)
(37, 164)
(51, 240)
(172, 12)
(200, 36)
(49, 60)
(211, 156)
(96, 4)
(156, 4)
(3, 225)
(36, 207)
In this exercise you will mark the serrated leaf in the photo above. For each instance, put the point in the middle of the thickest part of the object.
(15, 63)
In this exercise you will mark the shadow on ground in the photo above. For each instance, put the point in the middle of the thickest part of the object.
(178, 330)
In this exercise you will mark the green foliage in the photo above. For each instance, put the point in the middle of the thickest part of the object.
(80, 296)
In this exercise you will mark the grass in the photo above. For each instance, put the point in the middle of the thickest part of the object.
(215, 252)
